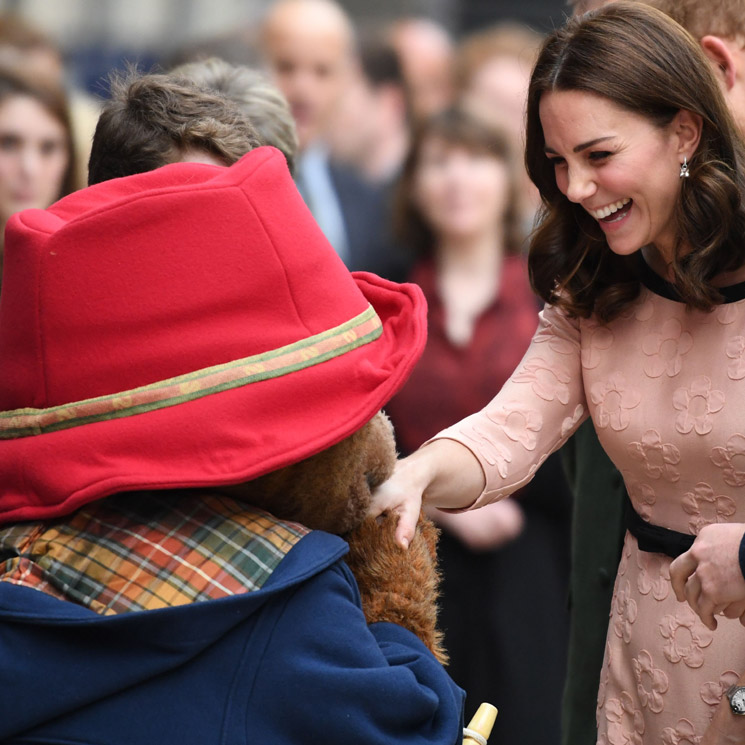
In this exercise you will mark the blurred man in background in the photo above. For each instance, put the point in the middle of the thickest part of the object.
(370, 131)
(426, 51)
(309, 47)
(369, 134)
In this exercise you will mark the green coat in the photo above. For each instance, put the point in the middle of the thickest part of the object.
(597, 537)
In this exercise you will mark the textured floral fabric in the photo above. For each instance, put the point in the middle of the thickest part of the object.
(664, 387)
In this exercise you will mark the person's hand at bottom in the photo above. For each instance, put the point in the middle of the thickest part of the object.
(708, 575)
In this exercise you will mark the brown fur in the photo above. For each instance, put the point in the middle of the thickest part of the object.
(331, 491)
(397, 585)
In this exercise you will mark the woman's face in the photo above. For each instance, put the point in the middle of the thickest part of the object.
(33, 155)
(620, 167)
(461, 193)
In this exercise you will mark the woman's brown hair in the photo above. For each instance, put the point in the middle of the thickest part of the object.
(644, 63)
(457, 127)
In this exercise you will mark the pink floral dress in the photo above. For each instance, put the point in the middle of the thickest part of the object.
(665, 388)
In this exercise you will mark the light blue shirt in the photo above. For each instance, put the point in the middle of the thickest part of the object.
(314, 183)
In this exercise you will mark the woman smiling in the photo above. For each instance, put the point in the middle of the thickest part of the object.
(640, 255)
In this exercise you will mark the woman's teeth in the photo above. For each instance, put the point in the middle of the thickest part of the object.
(609, 209)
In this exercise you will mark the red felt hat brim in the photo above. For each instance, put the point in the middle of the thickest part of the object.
(213, 440)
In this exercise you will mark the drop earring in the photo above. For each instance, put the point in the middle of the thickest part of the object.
(685, 171)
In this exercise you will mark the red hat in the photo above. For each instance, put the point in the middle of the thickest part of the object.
(185, 327)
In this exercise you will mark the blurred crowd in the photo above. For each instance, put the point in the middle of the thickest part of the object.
(406, 146)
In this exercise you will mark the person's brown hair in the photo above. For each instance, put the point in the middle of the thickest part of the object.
(725, 18)
(582, 6)
(506, 39)
(260, 100)
(644, 63)
(152, 120)
(457, 127)
(14, 81)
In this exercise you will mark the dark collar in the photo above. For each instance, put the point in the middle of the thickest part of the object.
(656, 284)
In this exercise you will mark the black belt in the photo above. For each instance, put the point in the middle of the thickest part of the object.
(655, 539)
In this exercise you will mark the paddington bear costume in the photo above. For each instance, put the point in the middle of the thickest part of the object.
(178, 347)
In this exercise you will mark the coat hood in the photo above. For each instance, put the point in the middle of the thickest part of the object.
(81, 658)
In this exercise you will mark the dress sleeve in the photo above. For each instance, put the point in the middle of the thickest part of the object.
(534, 413)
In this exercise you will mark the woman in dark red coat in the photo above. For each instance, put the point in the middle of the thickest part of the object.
(504, 566)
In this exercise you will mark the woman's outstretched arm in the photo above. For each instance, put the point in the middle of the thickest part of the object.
(496, 451)
(442, 474)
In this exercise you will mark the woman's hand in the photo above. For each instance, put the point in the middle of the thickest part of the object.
(725, 727)
(402, 495)
(708, 575)
(442, 473)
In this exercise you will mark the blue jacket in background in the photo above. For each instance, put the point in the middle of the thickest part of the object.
(293, 662)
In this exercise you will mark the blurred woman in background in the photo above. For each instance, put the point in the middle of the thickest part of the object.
(36, 144)
(457, 207)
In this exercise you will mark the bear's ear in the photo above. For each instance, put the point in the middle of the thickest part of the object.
(379, 449)
(371, 460)
(331, 490)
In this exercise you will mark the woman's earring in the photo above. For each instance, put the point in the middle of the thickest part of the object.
(685, 171)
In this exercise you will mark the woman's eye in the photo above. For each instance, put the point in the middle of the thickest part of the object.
(50, 148)
(556, 161)
(600, 155)
(9, 142)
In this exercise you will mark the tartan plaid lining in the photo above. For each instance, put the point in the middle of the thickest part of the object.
(147, 550)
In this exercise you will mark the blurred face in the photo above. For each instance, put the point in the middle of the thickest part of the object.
(354, 124)
(426, 54)
(309, 66)
(618, 166)
(429, 77)
(500, 87)
(733, 86)
(462, 194)
(33, 155)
